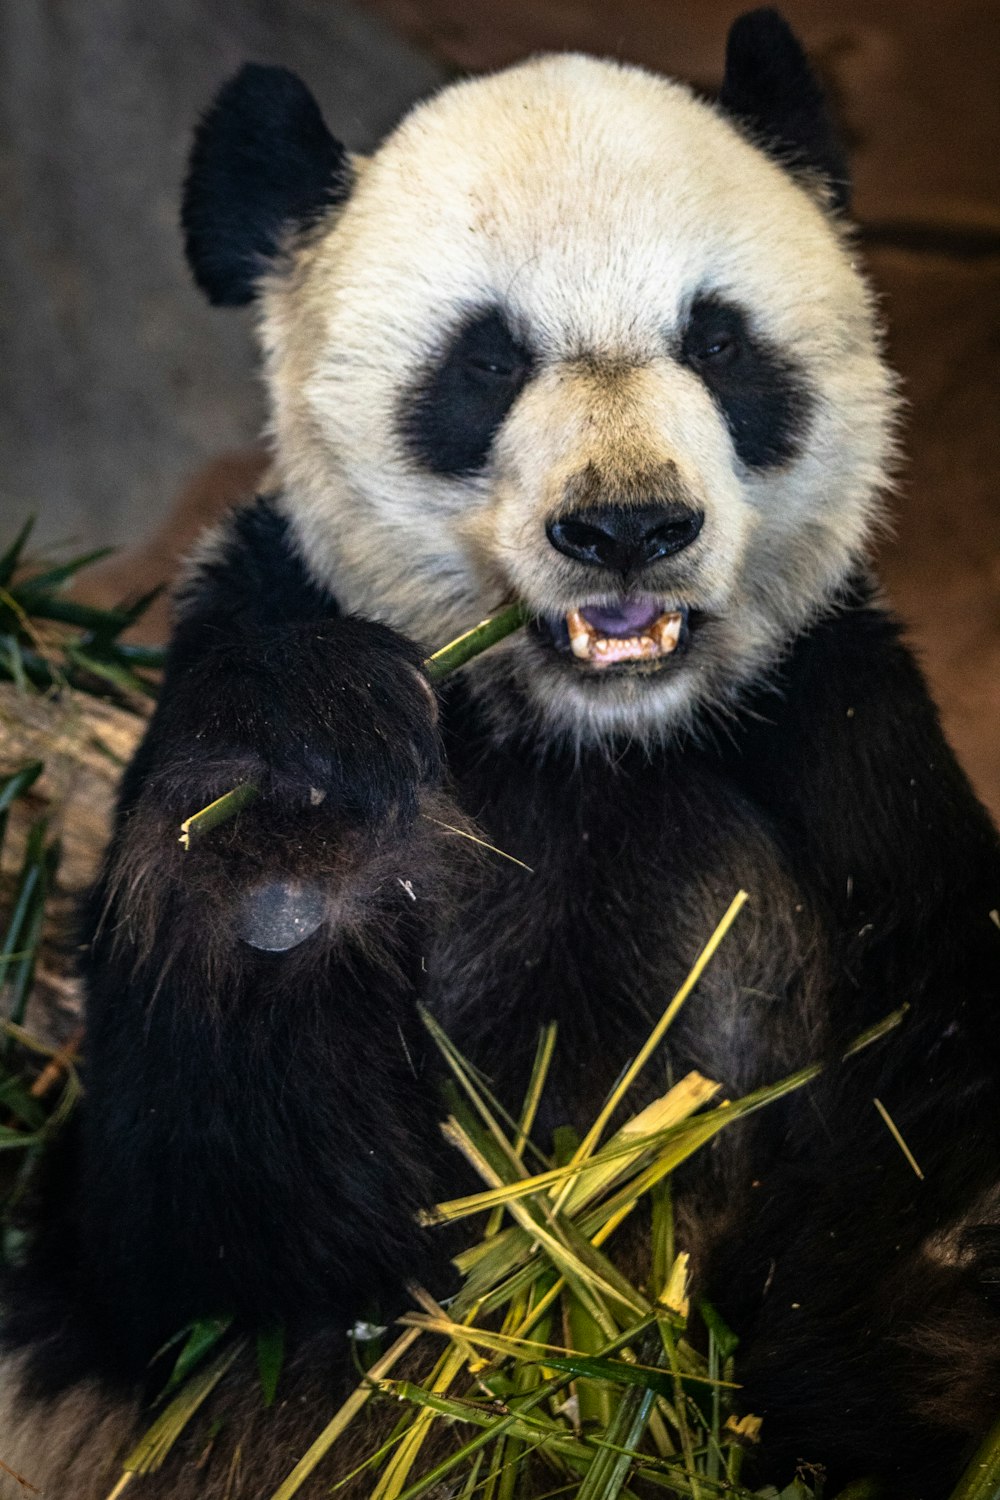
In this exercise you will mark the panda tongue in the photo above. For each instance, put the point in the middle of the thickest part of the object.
(627, 619)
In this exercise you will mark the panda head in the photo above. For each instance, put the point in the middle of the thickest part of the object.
(575, 337)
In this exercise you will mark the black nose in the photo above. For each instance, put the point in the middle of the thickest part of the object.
(625, 538)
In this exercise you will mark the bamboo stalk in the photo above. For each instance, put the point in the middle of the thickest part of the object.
(981, 1480)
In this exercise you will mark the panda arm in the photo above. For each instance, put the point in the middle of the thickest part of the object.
(259, 1129)
(267, 680)
(849, 758)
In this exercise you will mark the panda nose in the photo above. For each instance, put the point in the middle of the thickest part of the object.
(625, 538)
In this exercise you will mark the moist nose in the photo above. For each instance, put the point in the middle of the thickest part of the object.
(625, 538)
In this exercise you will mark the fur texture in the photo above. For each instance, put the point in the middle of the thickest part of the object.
(570, 290)
(599, 210)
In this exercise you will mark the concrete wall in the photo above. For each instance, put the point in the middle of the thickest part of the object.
(116, 379)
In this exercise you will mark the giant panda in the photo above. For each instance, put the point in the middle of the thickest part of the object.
(577, 338)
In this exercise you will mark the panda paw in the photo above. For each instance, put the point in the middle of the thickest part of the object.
(335, 714)
(359, 727)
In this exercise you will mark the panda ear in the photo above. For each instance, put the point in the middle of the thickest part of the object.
(770, 87)
(262, 162)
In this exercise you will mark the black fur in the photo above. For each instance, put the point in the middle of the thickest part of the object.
(762, 394)
(257, 1129)
(770, 88)
(451, 416)
(263, 164)
(263, 679)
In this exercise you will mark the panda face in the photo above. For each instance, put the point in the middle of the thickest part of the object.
(573, 340)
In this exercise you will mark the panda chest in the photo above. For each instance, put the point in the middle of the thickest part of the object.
(601, 929)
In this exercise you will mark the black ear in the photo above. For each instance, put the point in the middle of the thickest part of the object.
(770, 87)
(262, 162)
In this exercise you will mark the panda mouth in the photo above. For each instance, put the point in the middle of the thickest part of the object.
(601, 636)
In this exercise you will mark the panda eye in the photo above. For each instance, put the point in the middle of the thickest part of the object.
(494, 369)
(721, 349)
(713, 336)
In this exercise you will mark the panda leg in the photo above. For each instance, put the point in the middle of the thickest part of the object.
(886, 1367)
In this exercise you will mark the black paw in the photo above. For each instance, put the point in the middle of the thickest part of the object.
(336, 713)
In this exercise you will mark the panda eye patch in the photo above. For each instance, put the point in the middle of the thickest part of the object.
(713, 333)
(762, 393)
(450, 417)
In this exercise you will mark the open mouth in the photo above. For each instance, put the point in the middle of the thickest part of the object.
(631, 630)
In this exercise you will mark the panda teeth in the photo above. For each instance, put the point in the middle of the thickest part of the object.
(581, 635)
(668, 631)
(659, 639)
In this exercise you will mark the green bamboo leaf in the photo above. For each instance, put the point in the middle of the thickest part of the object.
(621, 1152)
(17, 953)
(607, 1475)
(119, 674)
(13, 663)
(16, 1100)
(14, 786)
(662, 1236)
(103, 626)
(486, 1415)
(726, 1340)
(154, 657)
(616, 1372)
(12, 556)
(156, 1442)
(70, 612)
(573, 1361)
(52, 578)
(270, 1360)
(202, 1338)
(125, 614)
(981, 1480)
(533, 1403)
(393, 1478)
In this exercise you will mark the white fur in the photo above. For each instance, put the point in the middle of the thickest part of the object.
(592, 201)
(80, 1433)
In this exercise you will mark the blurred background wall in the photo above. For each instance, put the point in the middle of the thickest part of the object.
(123, 396)
(116, 379)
